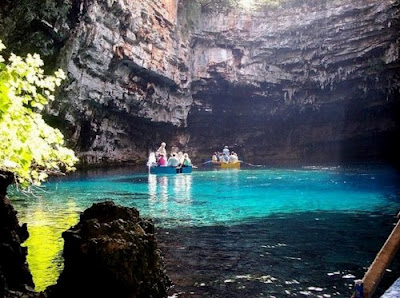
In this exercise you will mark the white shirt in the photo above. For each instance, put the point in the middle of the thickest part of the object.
(173, 162)
(233, 158)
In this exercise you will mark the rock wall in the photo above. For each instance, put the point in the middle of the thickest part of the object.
(309, 83)
(303, 81)
(127, 70)
(15, 277)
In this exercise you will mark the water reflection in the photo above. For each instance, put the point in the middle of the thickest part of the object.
(224, 205)
(45, 226)
(163, 182)
(183, 189)
(170, 196)
(152, 188)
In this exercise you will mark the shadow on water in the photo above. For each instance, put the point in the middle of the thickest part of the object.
(266, 232)
(281, 255)
(96, 173)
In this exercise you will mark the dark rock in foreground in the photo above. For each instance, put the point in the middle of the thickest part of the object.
(111, 252)
(15, 277)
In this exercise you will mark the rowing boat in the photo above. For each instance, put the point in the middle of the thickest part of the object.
(170, 170)
(224, 165)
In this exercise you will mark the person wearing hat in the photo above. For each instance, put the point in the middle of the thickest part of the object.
(161, 150)
(225, 151)
(226, 154)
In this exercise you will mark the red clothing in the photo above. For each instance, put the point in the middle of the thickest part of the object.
(162, 161)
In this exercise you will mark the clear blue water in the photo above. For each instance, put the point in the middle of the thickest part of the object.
(233, 233)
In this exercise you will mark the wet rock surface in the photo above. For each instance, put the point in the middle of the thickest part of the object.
(111, 252)
(15, 277)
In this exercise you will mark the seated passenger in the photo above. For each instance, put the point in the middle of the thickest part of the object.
(220, 157)
(214, 157)
(186, 160)
(152, 160)
(161, 161)
(173, 161)
(233, 158)
(180, 157)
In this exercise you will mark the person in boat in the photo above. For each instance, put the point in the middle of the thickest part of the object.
(214, 158)
(173, 161)
(161, 160)
(225, 153)
(222, 157)
(219, 155)
(186, 161)
(152, 161)
(233, 158)
(161, 150)
(180, 158)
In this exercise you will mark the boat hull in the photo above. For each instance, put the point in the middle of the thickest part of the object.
(170, 170)
(223, 165)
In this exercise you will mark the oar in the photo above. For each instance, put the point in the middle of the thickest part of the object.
(382, 261)
(251, 164)
(202, 164)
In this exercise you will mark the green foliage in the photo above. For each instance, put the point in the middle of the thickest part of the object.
(29, 147)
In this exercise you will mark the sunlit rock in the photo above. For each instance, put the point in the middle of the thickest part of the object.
(111, 252)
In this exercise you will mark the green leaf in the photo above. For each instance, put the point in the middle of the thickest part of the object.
(29, 147)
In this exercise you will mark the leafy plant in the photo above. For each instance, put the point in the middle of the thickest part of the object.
(29, 148)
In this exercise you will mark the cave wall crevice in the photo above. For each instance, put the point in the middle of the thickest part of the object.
(309, 81)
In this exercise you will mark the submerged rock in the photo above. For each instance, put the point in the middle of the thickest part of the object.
(111, 252)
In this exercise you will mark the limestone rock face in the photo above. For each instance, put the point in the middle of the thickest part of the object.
(127, 68)
(304, 81)
(111, 252)
(313, 82)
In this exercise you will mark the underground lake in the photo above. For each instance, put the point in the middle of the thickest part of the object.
(308, 230)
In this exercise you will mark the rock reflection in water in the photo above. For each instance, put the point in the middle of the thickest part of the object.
(45, 226)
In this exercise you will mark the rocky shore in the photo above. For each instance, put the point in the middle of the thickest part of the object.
(111, 252)
(15, 277)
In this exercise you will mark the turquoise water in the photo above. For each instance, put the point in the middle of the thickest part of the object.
(265, 231)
